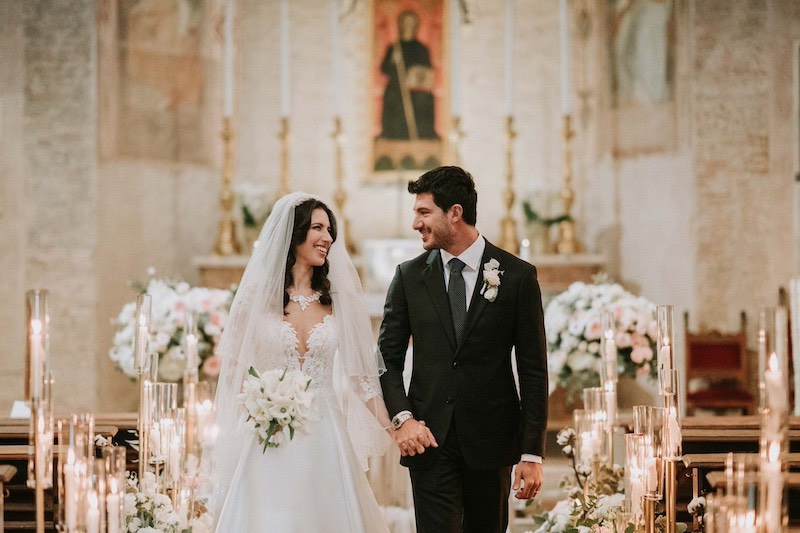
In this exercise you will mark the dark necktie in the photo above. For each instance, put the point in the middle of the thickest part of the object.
(457, 293)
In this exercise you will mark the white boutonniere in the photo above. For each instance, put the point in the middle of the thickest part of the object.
(491, 279)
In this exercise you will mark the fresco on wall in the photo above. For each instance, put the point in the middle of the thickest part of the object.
(159, 79)
(642, 51)
(409, 86)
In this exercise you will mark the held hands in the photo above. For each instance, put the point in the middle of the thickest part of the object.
(413, 437)
(528, 479)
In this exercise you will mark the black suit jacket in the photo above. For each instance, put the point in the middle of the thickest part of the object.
(473, 381)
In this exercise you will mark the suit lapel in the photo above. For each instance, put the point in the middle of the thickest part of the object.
(478, 302)
(433, 277)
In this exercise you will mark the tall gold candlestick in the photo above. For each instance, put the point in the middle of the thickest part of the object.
(567, 239)
(671, 496)
(285, 138)
(649, 515)
(38, 394)
(227, 243)
(340, 196)
(508, 239)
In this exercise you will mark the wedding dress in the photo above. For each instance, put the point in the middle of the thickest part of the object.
(314, 482)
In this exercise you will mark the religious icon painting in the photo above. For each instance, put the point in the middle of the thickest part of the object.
(409, 87)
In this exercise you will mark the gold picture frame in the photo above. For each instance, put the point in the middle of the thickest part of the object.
(409, 97)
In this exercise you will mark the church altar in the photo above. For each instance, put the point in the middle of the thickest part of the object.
(555, 271)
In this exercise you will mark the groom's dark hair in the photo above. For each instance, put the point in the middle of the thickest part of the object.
(449, 186)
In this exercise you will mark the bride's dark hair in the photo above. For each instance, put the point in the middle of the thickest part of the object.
(302, 223)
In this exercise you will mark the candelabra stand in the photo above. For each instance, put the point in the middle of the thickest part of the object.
(227, 243)
(567, 239)
(340, 196)
(285, 138)
(143, 371)
(456, 134)
(39, 396)
(773, 362)
(669, 379)
(508, 239)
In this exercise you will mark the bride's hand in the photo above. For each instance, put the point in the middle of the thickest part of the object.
(413, 437)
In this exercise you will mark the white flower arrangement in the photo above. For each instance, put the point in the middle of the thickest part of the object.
(491, 279)
(149, 511)
(276, 402)
(573, 325)
(593, 503)
(170, 302)
(255, 202)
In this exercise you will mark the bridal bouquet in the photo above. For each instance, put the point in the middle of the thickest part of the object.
(573, 325)
(277, 402)
(171, 300)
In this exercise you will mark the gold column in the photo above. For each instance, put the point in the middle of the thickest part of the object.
(567, 240)
(227, 243)
(670, 496)
(508, 228)
(340, 196)
(649, 515)
(285, 138)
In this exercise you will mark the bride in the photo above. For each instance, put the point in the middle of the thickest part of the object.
(299, 307)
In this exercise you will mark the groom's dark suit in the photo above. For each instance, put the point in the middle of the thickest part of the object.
(469, 387)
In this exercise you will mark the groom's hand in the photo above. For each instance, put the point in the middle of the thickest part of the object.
(413, 437)
(528, 479)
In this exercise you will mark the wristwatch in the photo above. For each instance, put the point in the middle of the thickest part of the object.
(400, 418)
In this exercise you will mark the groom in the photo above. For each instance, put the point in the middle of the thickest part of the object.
(463, 425)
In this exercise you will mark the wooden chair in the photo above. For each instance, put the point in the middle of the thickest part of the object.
(722, 361)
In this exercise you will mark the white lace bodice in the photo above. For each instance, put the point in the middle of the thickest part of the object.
(318, 359)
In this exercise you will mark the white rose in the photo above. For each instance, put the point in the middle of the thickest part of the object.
(490, 294)
(492, 277)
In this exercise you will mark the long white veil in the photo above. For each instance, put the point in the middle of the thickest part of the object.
(249, 340)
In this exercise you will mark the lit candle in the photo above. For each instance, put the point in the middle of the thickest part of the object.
(588, 443)
(155, 440)
(637, 493)
(665, 356)
(775, 387)
(142, 336)
(455, 59)
(336, 57)
(69, 490)
(36, 359)
(192, 361)
(651, 473)
(93, 514)
(228, 60)
(113, 506)
(509, 100)
(673, 434)
(566, 103)
(774, 499)
(284, 49)
(175, 457)
(525, 250)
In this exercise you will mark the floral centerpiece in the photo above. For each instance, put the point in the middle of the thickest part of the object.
(149, 511)
(593, 503)
(170, 302)
(277, 402)
(574, 328)
(255, 204)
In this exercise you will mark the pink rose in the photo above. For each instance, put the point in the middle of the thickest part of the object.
(640, 354)
(211, 366)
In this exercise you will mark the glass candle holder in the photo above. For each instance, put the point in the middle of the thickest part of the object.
(669, 383)
(634, 477)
